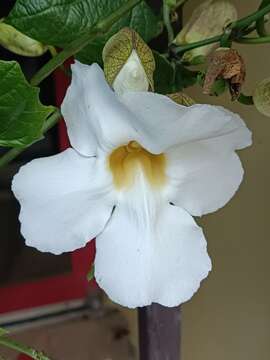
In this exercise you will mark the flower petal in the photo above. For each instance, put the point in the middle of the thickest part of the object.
(203, 177)
(93, 114)
(162, 123)
(137, 266)
(62, 207)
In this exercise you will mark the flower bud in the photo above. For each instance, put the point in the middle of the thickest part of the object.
(261, 97)
(227, 64)
(128, 62)
(15, 41)
(181, 98)
(207, 20)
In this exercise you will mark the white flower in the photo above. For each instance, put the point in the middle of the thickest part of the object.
(140, 166)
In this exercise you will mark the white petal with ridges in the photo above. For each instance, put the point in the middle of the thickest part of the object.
(94, 115)
(65, 201)
(201, 178)
(162, 123)
(165, 263)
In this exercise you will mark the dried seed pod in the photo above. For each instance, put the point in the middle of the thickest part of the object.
(227, 64)
(128, 62)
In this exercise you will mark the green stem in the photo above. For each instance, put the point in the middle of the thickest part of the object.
(196, 44)
(21, 348)
(13, 153)
(246, 21)
(256, 40)
(78, 44)
(167, 21)
(260, 27)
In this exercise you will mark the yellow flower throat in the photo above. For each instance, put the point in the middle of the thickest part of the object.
(125, 161)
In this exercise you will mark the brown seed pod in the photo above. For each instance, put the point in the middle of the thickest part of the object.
(227, 64)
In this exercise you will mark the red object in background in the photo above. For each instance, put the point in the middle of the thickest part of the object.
(59, 288)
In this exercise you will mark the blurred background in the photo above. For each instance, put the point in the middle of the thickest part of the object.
(229, 318)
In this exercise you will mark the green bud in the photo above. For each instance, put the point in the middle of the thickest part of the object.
(207, 20)
(15, 41)
(261, 97)
(128, 62)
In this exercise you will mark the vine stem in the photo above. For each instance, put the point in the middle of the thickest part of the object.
(21, 348)
(13, 153)
(251, 18)
(196, 44)
(256, 40)
(260, 26)
(242, 23)
(167, 21)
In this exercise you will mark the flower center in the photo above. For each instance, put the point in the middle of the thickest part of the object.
(126, 161)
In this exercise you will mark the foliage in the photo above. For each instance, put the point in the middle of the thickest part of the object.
(21, 114)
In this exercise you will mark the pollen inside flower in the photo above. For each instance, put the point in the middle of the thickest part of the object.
(126, 161)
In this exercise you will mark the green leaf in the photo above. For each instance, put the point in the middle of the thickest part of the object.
(184, 77)
(141, 19)
(219, 87)
(163, 75)
(3, 332)
(245, 99)
(91, 273)
(21, 114)
(58, 23)
(200, 77)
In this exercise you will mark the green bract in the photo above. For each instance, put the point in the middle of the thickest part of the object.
(118, 49)
(21, 114)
